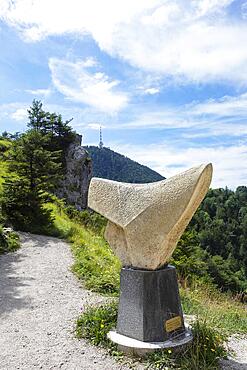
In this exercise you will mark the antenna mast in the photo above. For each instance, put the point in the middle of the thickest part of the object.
(100, 138)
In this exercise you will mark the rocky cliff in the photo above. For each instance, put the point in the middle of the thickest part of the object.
(78, 173)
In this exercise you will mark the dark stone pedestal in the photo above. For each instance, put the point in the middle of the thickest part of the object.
(149, 306)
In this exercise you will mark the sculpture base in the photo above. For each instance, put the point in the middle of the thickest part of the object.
(135, 347)
(149, 305)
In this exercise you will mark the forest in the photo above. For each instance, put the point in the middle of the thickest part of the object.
(114, 166)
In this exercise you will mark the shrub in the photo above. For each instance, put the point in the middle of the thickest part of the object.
(9, 241)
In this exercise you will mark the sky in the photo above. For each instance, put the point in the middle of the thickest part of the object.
(166, 80)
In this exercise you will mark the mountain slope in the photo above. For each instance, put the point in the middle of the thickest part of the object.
(114, 166)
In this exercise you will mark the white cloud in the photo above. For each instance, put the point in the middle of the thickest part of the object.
(244, 10)
(40, 92)
(230, 166)
(152, 91)
(19, 115)
(213, 117)
(194, 41)
(78, 83)
(223, 107)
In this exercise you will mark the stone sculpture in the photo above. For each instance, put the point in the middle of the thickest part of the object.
(147, 220)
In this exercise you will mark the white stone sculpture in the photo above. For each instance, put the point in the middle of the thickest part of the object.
(145, 221)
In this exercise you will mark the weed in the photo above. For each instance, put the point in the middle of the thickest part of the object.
(95, 323)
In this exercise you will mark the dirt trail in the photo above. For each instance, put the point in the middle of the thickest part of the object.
(40, 300)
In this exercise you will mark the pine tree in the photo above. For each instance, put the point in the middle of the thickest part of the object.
(33, 171)
(37, 116)
(59, 134)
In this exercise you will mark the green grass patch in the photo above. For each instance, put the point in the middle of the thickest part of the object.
(95, 263)
(96, 322)
(5, 145)
(3, 173)
(207, 303)
(203, 354)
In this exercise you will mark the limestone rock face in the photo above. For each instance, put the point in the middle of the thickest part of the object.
(78, 174)
(145, 221)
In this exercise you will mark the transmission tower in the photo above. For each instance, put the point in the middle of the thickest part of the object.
(101, 144)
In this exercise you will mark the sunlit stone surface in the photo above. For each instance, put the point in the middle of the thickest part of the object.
(147, 220)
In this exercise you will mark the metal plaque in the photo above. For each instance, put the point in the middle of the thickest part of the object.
(173, 324)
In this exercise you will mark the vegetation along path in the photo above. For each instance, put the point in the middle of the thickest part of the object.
(40, 300)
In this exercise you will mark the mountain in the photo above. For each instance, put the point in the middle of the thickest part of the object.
(114, 166)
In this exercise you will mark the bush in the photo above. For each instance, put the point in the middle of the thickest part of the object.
(9, 241)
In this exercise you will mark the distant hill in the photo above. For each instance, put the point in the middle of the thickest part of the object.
(114, 166)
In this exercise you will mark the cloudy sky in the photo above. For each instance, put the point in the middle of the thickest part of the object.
(167, 80)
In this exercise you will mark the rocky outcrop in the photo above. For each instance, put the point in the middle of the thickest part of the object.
(78, 173)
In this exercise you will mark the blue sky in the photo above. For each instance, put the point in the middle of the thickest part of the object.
(167, 80)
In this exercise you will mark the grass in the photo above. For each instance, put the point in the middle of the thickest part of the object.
(3, 172)
(94, 263)
(203, 354)
(9, 241)
(220, 309)
(95, 323)
(207, 347)
(5, 145)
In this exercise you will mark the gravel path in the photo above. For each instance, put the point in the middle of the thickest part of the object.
(238, 360)
(40, 300)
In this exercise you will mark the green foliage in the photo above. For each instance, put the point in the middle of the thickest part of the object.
(224, 275)
(189, 259)
(9, 241)
(220, 225)
(96, 322)
(203, 354)
(58, 133)
(32, 171)
(89, 219)
(33, 165)
(5, 145)
(114, 166)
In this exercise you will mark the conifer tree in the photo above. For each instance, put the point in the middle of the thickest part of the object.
(33, 171)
